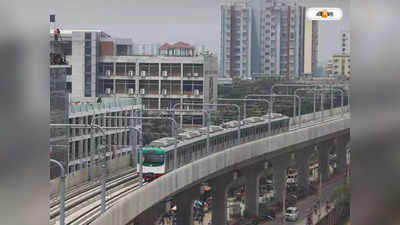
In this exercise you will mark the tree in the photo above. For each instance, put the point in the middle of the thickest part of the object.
(155, 129)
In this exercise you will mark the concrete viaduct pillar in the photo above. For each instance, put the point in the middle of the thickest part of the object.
(150, 216)
(253, 175)
(280, 165)
(184, 202)
(323, 154)
(302, 164)
(341, 151)
(220, 186)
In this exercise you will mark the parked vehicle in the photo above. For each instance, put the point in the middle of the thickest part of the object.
(292, 214)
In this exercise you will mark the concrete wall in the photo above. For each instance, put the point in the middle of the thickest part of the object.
(178, 180)
(81, 176)
(309, 117)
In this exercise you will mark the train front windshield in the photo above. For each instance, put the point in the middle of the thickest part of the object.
(153, 158)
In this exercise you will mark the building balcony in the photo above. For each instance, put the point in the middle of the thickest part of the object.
(192, 94)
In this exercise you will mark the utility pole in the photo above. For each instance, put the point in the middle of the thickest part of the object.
(322, 107)
(284, 198)
(320, 196)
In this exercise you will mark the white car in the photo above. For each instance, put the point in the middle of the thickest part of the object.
(292, 214)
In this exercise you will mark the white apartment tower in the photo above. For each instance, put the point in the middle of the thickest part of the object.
(277, 38)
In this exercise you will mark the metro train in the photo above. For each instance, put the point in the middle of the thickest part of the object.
(191, 145)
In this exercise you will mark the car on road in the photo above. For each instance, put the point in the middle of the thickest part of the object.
(292, 214)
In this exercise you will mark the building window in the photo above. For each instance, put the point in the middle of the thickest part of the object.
(88, 65)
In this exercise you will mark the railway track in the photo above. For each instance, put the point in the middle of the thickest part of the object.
(83, 204)
(86, 199)
(77, 190)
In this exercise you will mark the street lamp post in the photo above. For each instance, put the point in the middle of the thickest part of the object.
(173, 126)
(279, 95)
(206, 115)
(314, 90)
(91, 126)
(284, 198)
(217, 104)
(314, 98)
(292, 85)
(341, 97)
(62, 191)
(254, 100)
(92, 153)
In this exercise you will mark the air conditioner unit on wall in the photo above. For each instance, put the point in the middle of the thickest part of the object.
(188, 74)
(108, 91)
(130, 91)
(196, 92)
(108, 73)
(143, 73)
(130, 73)
(164, 91)
(165, 73)
(195, 74)
(142, 91)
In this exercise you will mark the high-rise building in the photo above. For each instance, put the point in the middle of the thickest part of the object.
(310, 53)
(278, 38)
(235, 52)
(277, 35)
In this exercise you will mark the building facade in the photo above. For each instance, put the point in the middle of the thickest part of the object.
(277, 37)
(340, 64)
(82, 49)
(72, 146)
(235, 51)
(161, 81)
(100, 65)
(81, 111)
(58, 115)
(310, 53)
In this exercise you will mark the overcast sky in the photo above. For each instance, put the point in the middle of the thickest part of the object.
(193, 21)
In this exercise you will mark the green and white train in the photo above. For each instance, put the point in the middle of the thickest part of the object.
(191, 145)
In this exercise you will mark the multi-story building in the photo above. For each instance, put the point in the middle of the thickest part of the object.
(71, 146)
(276, 38)
(162, 81)
(100, 65)
(81, 111)
(310, 53)
(82, 49)
(235, 51)
(340, 64)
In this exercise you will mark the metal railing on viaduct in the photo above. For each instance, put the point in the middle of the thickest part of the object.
(216, 164)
